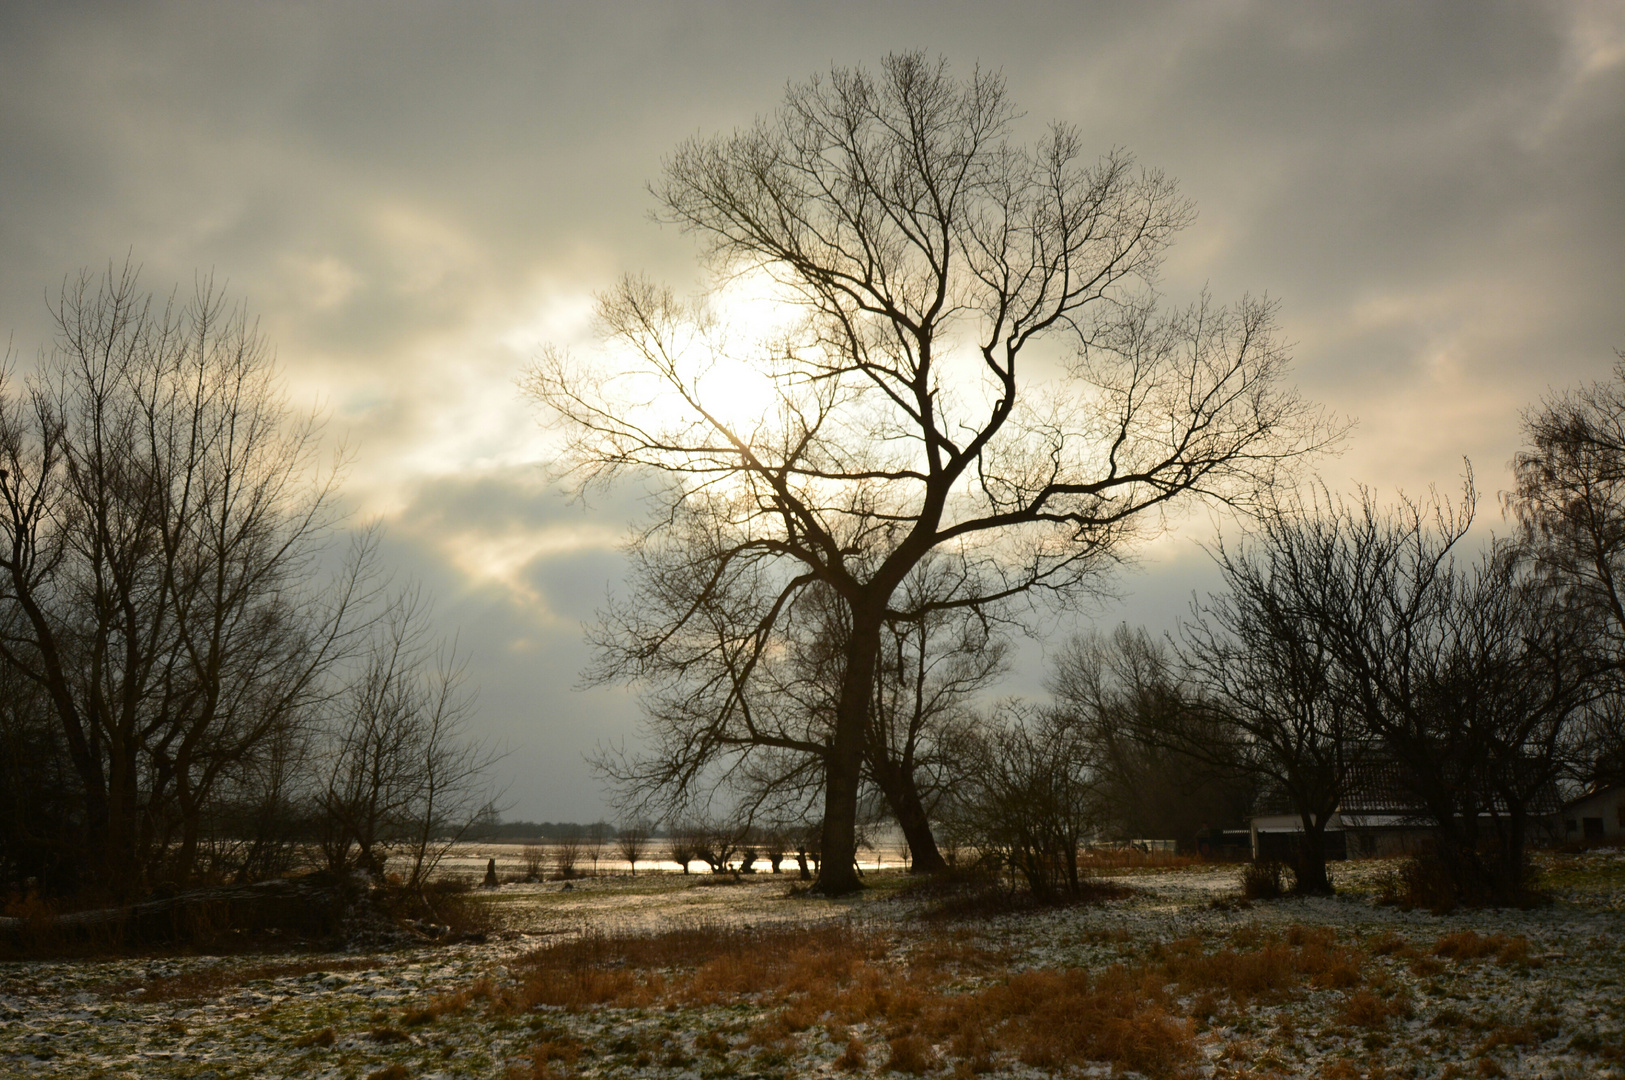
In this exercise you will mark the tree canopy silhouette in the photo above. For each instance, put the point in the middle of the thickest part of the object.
(980, 371)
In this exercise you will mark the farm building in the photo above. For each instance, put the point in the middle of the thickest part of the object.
(1378, 817)
(1597, 816)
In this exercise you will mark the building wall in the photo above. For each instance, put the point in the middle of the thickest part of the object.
(1596, 817)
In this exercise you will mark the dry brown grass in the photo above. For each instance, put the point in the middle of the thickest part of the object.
(855, 1058)
(1470, 945)
(1051, 1018)
(837, 976)
(451, 1004)
(1264, 880)
(1268, 966)
(699, 966)
(944, 1003)
(1365, 1009)
(324, 1037)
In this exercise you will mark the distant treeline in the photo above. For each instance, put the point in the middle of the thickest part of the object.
(518, 831)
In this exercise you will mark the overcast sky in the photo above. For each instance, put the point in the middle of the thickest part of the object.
(414, 199)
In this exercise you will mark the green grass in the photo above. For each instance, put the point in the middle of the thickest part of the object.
(1582, 873)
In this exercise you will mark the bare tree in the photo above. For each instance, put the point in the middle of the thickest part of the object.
(929, 255)
(1569, 502)
(1268, 677)
(1162, 766)
(1468, 679)
(681, 849)
(926, 677)
(632, 842)
(402, 774)
(597, 834)
(161, 513)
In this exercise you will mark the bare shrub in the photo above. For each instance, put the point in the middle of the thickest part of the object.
(1420, 882)
(534, 859)
(566, 856)
(1031, 799)
(1263, 880)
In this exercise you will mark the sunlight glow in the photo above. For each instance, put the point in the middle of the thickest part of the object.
(732, 373)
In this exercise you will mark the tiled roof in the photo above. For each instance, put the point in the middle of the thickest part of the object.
(1379, 786)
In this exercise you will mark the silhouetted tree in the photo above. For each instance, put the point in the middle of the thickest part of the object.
(161, 513)
(1164, 768)
(928, 255)
(1468, 678)
(632, 841)
(402, 774)
(1268, 678)
(1569, 502)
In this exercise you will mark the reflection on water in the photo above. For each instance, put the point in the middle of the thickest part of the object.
(514, 860)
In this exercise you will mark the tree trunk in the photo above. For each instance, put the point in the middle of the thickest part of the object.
(843, 768)
(904, 799)
(1310, 866)
(1510, 873)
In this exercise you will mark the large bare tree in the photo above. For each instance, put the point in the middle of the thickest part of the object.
(161, 513)
(1568, 499)
(1468, 682)
(981, 370)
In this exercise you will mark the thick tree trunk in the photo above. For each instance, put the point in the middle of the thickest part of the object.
(837, 871)
(904, 799)
(1310, 867)
(1510, 873)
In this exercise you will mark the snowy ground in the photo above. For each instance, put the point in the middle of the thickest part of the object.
(1553, 1008)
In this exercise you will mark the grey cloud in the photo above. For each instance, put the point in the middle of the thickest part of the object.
(1433, 192)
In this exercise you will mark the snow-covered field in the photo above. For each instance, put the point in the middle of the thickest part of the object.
(1546, 999)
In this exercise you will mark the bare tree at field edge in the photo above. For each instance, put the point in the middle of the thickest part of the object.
(926, 253)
